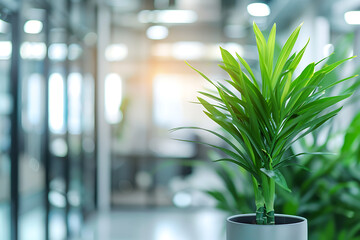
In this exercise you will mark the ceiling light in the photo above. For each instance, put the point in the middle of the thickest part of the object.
(157, 32)
(116, 52)
(177, 16)
(33, 26)
(258, 9)
(352, 17)
(167, 16)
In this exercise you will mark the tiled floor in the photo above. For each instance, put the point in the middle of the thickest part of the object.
(157, 224)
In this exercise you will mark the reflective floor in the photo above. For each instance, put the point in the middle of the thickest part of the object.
(157, 224)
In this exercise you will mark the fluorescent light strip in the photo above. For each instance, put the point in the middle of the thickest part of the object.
(33, 26)
(352, 17)
(167, 16)
(258, 9)
(157, 32)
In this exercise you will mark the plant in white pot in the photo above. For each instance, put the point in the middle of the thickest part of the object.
(261, 120)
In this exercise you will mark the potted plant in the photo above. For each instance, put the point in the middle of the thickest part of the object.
(262, 119)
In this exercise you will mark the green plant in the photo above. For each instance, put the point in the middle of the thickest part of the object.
(327, 195)
(262, 119)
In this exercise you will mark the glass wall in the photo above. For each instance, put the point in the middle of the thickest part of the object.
(47, 161)
(6, 110)
(32, 100)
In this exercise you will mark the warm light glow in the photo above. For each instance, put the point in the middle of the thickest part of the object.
(33, 26)
(116, 52)
(58, 51)
(74, 94)
(194, 50)
(258, 9)
(113, 98)
(352, 17)
(157, 32)
(5, 50)
(176, 16)
(188, 50)
(161, 50)
(33, 50)
(168, 111)
(167, 16)
(56, 103)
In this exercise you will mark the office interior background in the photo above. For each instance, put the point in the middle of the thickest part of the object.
(89, 90)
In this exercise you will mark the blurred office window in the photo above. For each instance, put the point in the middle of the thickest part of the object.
(156, 89)
(51, 55)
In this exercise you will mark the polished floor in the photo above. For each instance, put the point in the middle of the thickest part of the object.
(156, 224)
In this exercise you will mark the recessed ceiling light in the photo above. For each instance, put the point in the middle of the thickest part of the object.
(33, 26)
(352, 17)
(116, 52)
(258, 9)
(157, 32)
(167, 16)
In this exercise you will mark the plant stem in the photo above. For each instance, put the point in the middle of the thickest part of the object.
(270, 218)
(269, 197)
(259, 202)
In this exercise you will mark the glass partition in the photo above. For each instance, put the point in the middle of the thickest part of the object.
(6, 110)
(31, 161)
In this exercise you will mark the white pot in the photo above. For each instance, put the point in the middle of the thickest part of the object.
(287, 227)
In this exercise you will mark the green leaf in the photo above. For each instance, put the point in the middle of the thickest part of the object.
(248, 69)
(284, 54)
(270, 46)
(277, 176)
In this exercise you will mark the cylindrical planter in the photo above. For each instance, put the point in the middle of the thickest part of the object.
(287, 227)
